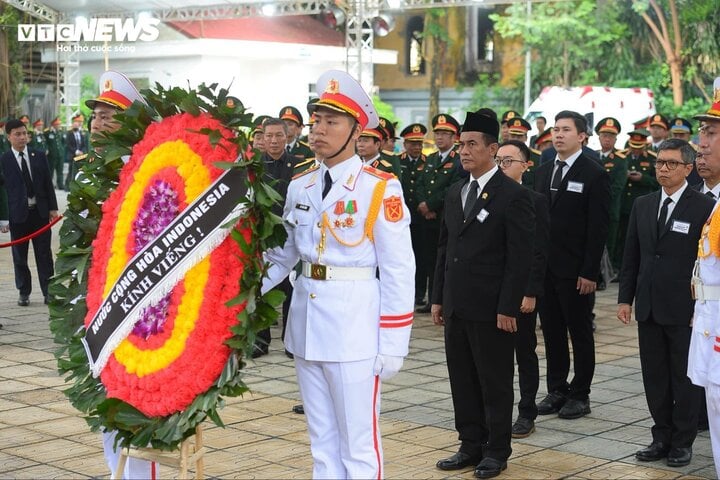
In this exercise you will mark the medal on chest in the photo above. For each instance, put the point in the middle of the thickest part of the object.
(344, 212)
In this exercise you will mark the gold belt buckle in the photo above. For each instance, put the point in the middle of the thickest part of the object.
(318, 271)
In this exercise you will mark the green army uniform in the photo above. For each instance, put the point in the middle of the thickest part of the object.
(38, 143)
(303, 165)
(645, 164)
(56, 154)
(4, 142)
(302, 150)
(528, 178)
(615, 163)
(410, 173)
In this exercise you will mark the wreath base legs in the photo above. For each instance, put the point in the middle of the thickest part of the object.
(190, 453)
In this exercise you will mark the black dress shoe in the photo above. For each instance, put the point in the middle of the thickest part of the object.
(552, 403)
(419, 302)
(424, 309)
(654, 451)
(679, 457)
(458, 461)
(574, 409)
(47, 300)
(24, 300)
(299, 409)
(289, 355)
(523, 427)
(489, 468)
(259, 350)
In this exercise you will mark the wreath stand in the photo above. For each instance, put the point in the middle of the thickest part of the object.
(189, 453)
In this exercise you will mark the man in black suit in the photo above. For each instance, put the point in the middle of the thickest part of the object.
(484, 249)
(660, 252)
(578, 190)
(31, 205)
(513, 157)
(279, 167)
(76, 144)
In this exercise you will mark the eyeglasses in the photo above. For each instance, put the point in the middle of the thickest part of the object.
(507, 161)
(670, 164)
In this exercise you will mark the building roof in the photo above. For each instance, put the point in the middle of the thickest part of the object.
(300, 29)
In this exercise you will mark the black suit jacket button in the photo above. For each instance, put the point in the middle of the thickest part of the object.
(657, 257)
(455, 259)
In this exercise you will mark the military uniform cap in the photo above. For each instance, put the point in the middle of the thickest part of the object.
(56, 122)
(116, 90)
(509, 115)
(658, 120)
(38, 123)
(638, 138)
(258, 123)
(713, 114)
(445, 122)
(78, 118)
(545, 136)
(25, 119)
(484, 121)
(518, 126)
(608, 125)
(415, 132)
(642, 123)
(388, 126)
(680, 125)
(376, 132)
(292, 114)
(340, 92)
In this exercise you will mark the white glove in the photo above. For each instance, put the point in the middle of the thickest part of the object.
(387, 366)
(292, 276)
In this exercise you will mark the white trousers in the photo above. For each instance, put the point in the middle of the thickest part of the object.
(712, 395)
(135, 468)
(342, 405)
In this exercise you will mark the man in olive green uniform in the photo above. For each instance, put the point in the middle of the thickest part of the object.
(517, 129)
(38, 142)
(56, 151)
(294, 121)
(614, 162)
(4, 142)
(368, 148)
(659, 131)
(506, 117)
(412, 165)
(544, 140)
(387, 150)
(442, 170)
(640, 181)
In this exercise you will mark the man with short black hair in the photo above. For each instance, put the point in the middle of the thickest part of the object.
(484, 250)
(578, 190)
(660, 252)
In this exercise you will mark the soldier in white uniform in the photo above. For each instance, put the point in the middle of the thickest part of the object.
(704, 356)
(348, 327)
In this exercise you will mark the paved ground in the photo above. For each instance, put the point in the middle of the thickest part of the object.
(41, 435)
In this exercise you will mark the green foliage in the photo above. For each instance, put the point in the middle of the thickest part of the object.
(383, 109)
(97, 177)
(487, 93)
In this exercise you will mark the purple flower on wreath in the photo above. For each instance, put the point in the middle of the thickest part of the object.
(159, 207)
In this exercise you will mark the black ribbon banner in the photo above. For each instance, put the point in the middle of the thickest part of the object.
(162, 263)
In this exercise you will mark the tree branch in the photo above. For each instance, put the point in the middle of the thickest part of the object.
(661, 18)
(676, 27)
(662, 40)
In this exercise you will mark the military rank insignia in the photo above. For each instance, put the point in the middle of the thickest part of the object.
(393, 208)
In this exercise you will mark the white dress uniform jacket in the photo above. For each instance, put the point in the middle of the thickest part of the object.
(347, 320)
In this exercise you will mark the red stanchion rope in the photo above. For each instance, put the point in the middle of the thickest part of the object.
(37, 232)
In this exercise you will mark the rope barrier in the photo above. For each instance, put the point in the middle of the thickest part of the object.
(27, 238)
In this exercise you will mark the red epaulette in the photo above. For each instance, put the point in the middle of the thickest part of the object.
(378, 173)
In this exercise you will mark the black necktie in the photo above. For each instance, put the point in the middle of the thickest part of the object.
(26, 176)
(710, 194)
(557, 178)
(327, 184)
(662, 218)
(77, 141)
(470, 199)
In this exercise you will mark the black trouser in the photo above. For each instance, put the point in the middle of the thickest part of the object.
(480, 367)
(41, 250)
(672, 399)
(527, 361)
(56, 168)
(564, 310)
(417, 235)
(263, 336)
(432, 233)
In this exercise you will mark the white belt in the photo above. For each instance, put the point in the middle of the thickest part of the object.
(318, 271)
(706, 292)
